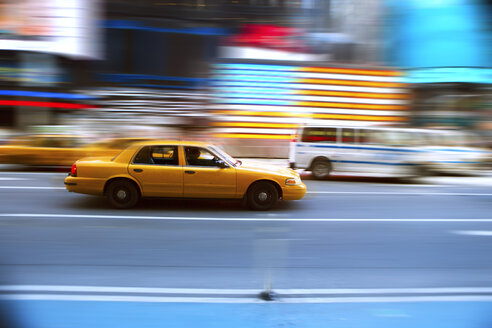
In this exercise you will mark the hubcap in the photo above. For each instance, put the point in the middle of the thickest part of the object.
(121, 194)
(262, 196)
(321, 169)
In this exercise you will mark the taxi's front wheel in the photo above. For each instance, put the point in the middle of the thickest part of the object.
(262, 196)
(122, 194)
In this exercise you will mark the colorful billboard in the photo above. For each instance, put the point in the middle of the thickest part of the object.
(64, 27)
(262, 101)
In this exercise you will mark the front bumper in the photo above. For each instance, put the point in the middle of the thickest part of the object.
(294, 192)
(456, 168)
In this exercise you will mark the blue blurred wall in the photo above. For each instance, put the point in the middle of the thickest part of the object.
(437, 33)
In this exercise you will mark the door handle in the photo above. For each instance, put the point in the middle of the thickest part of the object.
(137, 170)
(190, 172)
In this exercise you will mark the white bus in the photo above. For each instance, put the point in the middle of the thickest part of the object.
(381, 151)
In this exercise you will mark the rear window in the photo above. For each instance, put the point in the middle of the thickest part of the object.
(319, 135)
(158, 155)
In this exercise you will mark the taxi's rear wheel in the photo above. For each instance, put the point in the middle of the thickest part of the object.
(262, 196)
(122, 194)
(321, 169)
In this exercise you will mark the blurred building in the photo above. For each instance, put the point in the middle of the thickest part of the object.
(358, 28)
(39, 43)
(446, 49)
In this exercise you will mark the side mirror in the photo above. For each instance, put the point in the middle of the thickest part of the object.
(220, 163)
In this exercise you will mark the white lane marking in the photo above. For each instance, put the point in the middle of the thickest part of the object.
(12, 178)
(32, 187)
(473, 232)
(137, 299)
(156, 299)
(156, 295)
(400, 193)
(390, 299)
(350, 291)
(112, 289)
(185, 218)
(233, 291)
(475, 181)
(311, 192)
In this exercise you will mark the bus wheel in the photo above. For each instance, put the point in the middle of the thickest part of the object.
(321, 169)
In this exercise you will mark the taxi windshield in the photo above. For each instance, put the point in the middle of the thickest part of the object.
(228, 158)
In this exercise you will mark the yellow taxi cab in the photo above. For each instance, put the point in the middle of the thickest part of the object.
(44, 150)
(182, 169)
(59, 149)
(110, 147)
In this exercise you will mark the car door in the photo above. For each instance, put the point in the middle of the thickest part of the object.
(158, 171)
(348, 155)
(44, 151)
(203, 178)
(65, 150)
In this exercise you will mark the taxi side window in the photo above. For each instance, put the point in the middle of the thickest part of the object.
(49, 143)
(159, 155)
(196, 156)
(55, 142)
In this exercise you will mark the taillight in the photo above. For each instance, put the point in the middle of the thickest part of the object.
(294, 138)
(73, 171)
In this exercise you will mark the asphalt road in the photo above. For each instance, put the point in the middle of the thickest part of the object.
(346, 233)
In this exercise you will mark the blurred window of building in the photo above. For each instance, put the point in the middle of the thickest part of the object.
(148, 52)
(7, 116)
(116, 57)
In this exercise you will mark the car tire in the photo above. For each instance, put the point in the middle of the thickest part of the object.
(262, 196)
(122, 194)
(321, 169)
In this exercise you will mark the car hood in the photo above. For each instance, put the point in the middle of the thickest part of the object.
(267, 168)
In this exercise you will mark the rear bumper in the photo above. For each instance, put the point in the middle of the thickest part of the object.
(84, 185)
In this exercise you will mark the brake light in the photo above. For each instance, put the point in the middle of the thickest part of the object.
(294, 138)
(73, 171)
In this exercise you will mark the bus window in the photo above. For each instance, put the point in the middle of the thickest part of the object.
(319, 135)
(371, 137)
(348, 135)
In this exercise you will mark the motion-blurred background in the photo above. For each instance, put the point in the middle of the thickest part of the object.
(244, 73)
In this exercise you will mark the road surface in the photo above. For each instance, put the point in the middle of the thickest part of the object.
(349, 241)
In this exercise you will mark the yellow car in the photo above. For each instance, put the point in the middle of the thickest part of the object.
(58, 149)
(110, 147)
(185, 170)
(45, 150)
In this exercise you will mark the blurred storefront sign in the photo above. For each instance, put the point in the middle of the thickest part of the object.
(266, 41)
(257, 100)
(450, 75)
(134, 106)
(261, 53)
(30, 75)
(66, 27)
